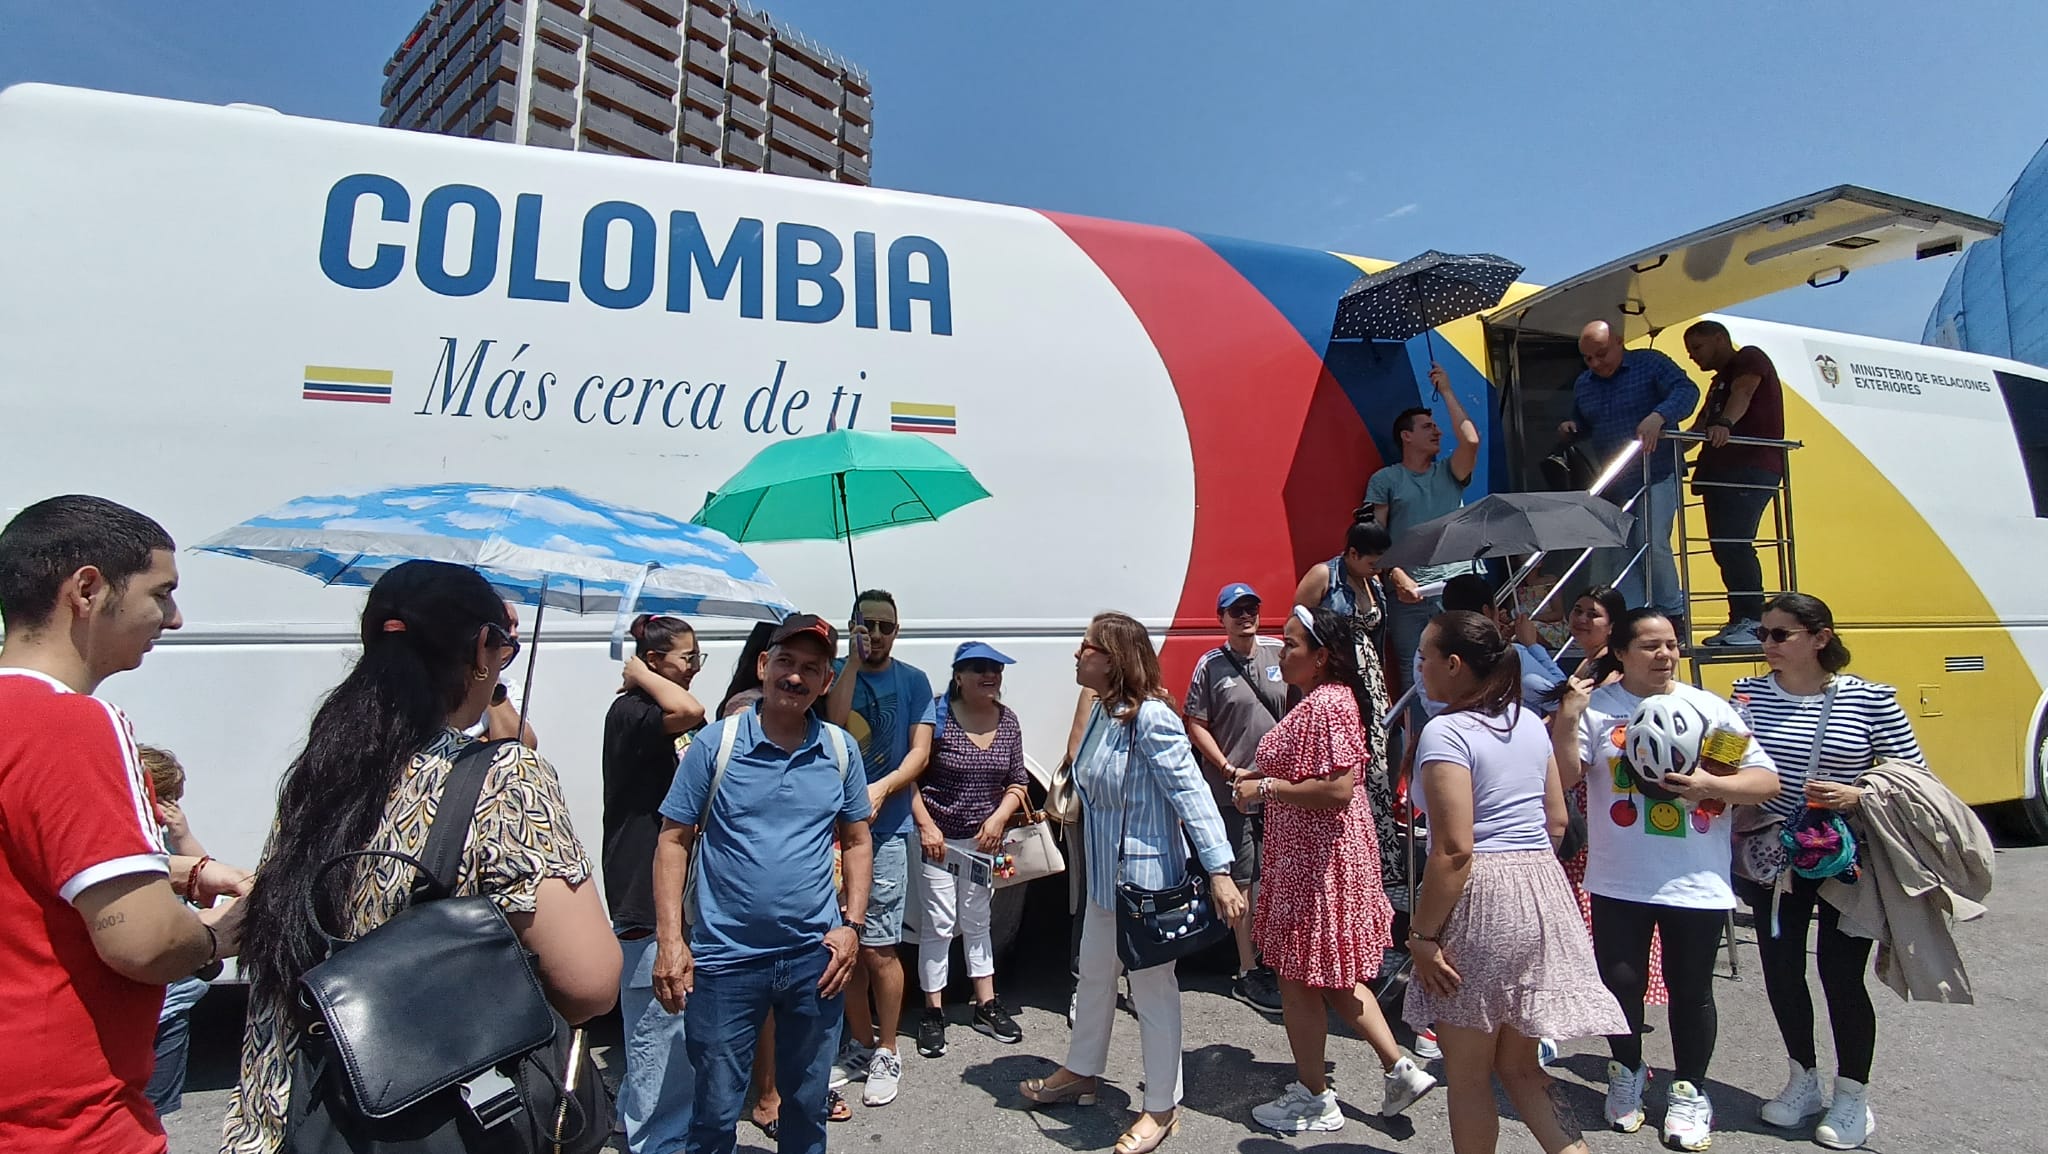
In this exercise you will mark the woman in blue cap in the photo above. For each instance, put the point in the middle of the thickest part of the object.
(963, 803)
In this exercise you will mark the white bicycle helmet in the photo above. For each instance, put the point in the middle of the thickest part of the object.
(1664, 736)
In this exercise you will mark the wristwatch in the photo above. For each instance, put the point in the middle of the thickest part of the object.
(859, 929)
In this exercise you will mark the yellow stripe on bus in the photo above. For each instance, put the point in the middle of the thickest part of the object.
(341, 376)
(907, 409)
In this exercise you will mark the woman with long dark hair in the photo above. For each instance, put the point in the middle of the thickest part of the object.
(1809, 712)
(1323, 921)
(435, 640)
(1144, 803)
(1351, 585)
(1499, 960)
(1658, 839)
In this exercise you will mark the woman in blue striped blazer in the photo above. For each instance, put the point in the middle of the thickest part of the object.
(1143, 801)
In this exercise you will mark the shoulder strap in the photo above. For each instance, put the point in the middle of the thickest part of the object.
(449, 830)
(1820, 728)
(942, 709)
(729, 731)
(1248, 672)
(841, 755)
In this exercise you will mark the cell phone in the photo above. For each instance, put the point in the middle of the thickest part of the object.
(860, 639)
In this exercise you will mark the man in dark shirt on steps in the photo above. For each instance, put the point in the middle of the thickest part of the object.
(1735, 483)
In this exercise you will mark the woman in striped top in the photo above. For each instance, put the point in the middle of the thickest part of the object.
(1864, 725)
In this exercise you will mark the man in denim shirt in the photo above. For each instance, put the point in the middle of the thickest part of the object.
(1634, 394)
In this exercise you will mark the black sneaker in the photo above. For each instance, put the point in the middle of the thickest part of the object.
(931, 1033)
(1259, 989)
(990, 1018)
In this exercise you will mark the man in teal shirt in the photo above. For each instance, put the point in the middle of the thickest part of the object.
(1421, 488)
(887, 705)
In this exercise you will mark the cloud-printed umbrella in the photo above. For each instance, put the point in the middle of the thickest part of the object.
(540, 547)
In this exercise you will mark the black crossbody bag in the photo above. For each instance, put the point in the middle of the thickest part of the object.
(431, 1034)
(1154, 927)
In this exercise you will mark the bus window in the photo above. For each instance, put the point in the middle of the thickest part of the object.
(2026, 401)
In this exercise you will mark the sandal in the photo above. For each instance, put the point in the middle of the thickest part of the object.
(1130, 1143)
(1079, 1091)
(836, 1109)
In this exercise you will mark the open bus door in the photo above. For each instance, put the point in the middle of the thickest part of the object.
(1815, 240)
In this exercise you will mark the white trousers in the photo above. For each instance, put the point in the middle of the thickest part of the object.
(953, 905)
(1155, 995)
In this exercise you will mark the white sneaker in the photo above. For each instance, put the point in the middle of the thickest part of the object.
(1798, 1101)
(852, 1064)
(1737, 635)
(885, 1075)
(1546, 1051)
(1625, 1097)
(1297, 1111)
(1849, 1123)
(1426, 1047)
(1405, 1083)
(1688, 1118)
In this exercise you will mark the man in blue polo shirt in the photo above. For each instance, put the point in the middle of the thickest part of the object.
(1634, 394)
(766, 930)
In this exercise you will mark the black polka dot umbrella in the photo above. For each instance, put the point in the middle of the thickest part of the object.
(1421, 293)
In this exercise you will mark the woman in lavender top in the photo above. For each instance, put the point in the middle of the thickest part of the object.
(963, 803)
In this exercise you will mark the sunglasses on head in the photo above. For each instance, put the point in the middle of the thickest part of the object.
(1780, 636)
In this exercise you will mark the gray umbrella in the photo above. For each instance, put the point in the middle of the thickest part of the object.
(1421, 293)
(1511, 524)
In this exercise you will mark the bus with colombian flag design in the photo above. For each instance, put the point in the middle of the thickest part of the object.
(193, 288)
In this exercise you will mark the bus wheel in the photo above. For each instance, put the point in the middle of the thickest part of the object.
(2028, 817)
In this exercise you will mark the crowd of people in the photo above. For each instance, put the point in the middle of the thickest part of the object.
(1590, 821)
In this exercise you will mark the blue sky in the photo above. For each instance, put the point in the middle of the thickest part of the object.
(1560, 136)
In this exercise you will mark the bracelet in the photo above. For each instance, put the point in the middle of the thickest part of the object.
(1415, 935)
(192, 879)
(1265, 789)
(212, 944)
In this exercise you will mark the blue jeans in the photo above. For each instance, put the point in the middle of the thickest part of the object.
(1405, 624)
(655, 1094)
(1659, 563)
(726, 1011)
(166, 1090)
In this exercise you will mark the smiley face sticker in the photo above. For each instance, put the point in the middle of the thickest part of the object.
(1665, 820)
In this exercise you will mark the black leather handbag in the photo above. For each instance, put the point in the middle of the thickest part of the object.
(1154, 927)
(431, 1034)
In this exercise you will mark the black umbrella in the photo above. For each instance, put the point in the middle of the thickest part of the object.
(1508, 524)
(1421, 293)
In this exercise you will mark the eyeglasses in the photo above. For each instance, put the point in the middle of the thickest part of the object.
(694, 658)
(1091, 647)
(1780, 636)
(1244, 609)
(504, 640)
(881, 628)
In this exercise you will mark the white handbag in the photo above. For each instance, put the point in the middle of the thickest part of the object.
(1033, 850)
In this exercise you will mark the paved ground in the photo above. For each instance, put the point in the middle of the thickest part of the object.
(1948, 1078)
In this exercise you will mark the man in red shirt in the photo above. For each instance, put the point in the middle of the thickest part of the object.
(92, 902)
(1735, 483)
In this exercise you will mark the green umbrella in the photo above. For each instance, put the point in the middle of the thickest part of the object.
(839, 485)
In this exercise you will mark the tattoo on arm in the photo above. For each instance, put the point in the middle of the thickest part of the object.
(109, 922)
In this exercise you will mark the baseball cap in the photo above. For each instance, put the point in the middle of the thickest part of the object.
(806, 625)
(979, 651)
(1233, 593)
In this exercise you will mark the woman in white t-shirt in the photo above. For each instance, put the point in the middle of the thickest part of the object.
(1657, 859)
(1500, 957)
(1863, 725)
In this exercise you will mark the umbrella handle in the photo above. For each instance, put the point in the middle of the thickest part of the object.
(623, 620)
(532, 656)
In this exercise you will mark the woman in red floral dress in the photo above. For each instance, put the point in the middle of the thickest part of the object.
(1323, 921)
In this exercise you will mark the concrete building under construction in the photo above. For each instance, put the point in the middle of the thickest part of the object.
(712, 82)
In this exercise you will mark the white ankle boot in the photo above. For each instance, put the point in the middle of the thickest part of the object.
(1797, 1102)
(1849, 1122)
